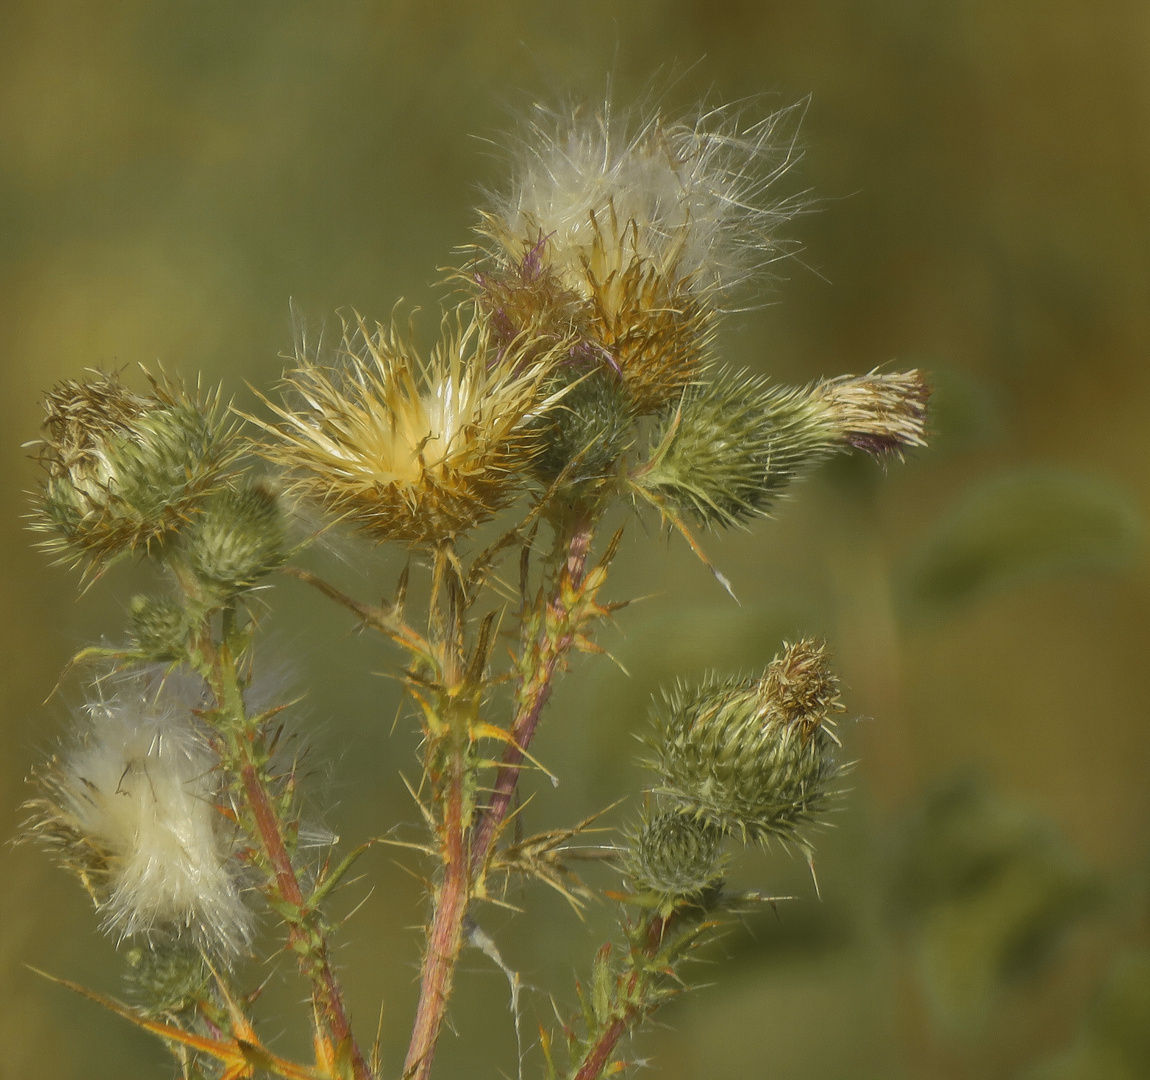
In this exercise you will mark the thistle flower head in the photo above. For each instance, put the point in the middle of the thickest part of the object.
(629, 236)
(675, 856)
(124, 469)
(691, 199)
(753, 757)
(732, 445)
(131, 808)
(238, 538)
(415, 450)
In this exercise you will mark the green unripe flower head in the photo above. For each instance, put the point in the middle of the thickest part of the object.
(159, 628)
(238, 537)
(753, 757)
(733, 445)
(167, 976)
(589, 429)
(675, 856)
(124, 470)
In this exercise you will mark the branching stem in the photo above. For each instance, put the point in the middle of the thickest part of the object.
(542, 659)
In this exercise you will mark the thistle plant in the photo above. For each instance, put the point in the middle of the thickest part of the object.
(576, 373)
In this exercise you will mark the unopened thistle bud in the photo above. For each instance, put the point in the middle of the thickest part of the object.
(159, 628)
(588, 430)
(753, 757)
(131, 809)
(167, 977)
(124, 469)
(733, 445)
(675, 856)
(237, 538)
(410, 450)
(633, 234)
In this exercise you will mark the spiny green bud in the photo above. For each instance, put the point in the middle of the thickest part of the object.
(589, 428)
(238, 537)
(167, 976)
(124, 469)
(675, 856)
(732, 445)
(159, 628)
(753, 757)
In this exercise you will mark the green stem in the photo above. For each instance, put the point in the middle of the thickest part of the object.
(307, 935)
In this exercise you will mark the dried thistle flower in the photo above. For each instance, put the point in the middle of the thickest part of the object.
(123, 469)
(411, 450)
(754, 757)
(881, 414)
(131, 809)
(675, 856)
(629, 236)
(692, 199)
(733, 445)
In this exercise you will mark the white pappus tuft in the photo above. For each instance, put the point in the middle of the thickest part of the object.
(132, 807)
(691, 197)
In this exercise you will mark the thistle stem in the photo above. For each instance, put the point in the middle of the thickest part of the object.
(304, 935)
(445, 935)
(465, 848)
(598, 1055)
(543, 657)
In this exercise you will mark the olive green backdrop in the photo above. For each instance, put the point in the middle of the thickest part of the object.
(172, 175)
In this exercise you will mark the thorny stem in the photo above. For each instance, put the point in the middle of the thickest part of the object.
(598, 1055)
(445, 935)
(306, 935)
(543, 657)
(465, 848)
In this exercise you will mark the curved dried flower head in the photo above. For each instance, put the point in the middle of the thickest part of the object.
(411, 450)
(631, 234)
(131, 808)
(754, 757)
(733, 444)
(675, 856)
(124, 469)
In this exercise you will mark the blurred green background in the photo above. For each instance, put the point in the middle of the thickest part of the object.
(172, 173)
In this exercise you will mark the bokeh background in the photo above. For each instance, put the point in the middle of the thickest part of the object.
(172, 173)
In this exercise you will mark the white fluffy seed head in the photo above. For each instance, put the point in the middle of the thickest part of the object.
(692, 198)
(132, 808)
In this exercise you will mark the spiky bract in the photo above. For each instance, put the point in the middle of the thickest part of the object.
(238, 538)
(131, 808)
(753, 757)
(675, 856)
(733, 445)
(412, 450)
(124, 469)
